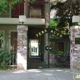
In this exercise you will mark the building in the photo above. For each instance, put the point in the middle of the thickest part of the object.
(19, 37)
(10, 26)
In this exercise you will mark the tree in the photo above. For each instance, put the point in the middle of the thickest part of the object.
(6, 5)
(64, 12)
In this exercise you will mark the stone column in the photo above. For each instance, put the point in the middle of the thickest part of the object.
(22, 47)
(26, 9)
(75, 47)
(47, 19)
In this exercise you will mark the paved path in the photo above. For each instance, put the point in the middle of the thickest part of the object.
(39, 74)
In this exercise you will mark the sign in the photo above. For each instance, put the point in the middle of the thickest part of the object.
(49, 30)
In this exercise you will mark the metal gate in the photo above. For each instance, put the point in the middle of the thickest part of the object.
(62, 60)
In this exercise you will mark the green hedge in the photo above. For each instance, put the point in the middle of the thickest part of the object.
(6, 58)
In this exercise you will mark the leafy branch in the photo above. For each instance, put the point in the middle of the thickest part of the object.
(6, 5)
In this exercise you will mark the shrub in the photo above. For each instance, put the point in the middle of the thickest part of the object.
(5, 58)
(60, 52)
(57, 52)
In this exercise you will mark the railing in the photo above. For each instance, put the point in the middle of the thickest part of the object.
(5, 15)
(17, 16)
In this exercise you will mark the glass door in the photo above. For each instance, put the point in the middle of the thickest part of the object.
(34, 48)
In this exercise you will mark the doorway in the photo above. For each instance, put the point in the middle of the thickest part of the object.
(35, 48)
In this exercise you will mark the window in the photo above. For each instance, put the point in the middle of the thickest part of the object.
(34, 48)
(35, 12)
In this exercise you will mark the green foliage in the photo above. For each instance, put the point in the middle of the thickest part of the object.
(3, 63)
(6, 5)
(57, 52)
(5, 58)
(13, 2)
(31, 1)
(53, 23)
(63, 32)
(78, 23)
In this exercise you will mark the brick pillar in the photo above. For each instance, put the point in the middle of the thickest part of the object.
(22, 47)
(75, 48)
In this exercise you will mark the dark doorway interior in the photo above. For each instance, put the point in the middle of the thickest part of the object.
(35, 48)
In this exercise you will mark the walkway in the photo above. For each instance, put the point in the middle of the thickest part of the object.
(39, 74)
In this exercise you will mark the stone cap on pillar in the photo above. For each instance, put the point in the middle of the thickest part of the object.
(75, 18)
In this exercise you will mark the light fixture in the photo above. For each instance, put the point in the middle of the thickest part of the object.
(22, 18)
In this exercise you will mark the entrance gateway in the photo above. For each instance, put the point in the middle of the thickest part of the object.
(74, 49)
(61, 45)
